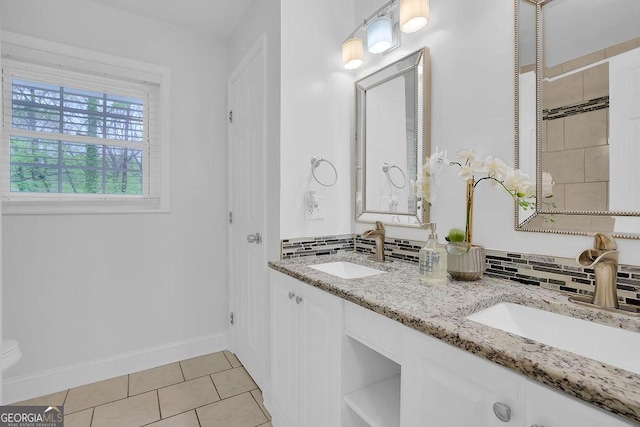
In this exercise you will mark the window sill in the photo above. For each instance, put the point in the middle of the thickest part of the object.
(80, 206)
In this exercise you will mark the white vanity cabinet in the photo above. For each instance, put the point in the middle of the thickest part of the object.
(446, 386)
(306, 349)
(337, 364)
(546, 407)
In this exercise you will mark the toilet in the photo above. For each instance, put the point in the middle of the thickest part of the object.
(10, 353)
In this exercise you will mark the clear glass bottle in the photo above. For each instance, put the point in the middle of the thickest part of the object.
(433, 260)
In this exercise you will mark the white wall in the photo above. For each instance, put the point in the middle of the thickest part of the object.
(317, 99)
(263, 17)
(473, 107)
(84, 288)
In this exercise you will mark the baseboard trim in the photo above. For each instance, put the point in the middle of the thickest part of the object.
(16, 389)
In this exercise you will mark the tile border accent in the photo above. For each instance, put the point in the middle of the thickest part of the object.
(549, 272)
(570, 110)
(315, 246)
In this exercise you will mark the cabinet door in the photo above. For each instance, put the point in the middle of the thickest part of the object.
(549, 408)
(320, 337)
(442, 386)
(284, 350)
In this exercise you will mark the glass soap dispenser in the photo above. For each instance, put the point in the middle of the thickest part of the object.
(433, 260)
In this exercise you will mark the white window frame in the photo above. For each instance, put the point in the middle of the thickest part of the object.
(24, 49)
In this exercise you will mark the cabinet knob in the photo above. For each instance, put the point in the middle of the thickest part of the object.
(502, 411)
(298, 300)
(291, 295)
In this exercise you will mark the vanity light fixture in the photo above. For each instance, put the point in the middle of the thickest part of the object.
(379, 34)
(414, 14)
(382, 29)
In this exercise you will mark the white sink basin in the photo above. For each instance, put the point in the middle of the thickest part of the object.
(346, 270)
(606, 344)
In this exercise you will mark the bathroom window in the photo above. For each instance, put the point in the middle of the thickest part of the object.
(80, 139)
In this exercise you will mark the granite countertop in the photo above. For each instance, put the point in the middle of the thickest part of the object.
(440, 310)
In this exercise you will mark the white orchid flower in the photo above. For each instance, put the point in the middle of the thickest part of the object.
(547, 185)
(496, 168)
(519, 183)
(467, 156)
(438, 161)
(466, 173)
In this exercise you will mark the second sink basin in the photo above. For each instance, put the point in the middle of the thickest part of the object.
(614, 346)
(347, 270)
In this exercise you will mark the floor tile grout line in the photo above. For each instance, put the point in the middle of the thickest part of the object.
(111, 401)
(215, 388)
(182, 371)
(159, 407)
(198, 416)
(212, 373)
(227, 357)
(260, 405)
(176, 415)
(93, 412)
(128, 385)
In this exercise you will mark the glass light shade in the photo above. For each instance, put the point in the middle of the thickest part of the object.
(379, 34)
(414, 14)
(352, 53)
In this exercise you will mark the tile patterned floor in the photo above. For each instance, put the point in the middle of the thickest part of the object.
(207, 391)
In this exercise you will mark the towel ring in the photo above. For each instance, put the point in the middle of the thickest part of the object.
(386, 169)
(315, 162)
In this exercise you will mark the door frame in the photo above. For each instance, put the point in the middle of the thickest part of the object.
(259, 46)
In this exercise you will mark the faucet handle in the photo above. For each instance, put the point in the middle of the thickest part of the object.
(379, 226)
(603, 241)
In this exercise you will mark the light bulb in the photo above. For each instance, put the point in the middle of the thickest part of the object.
(379, 34)
(414, 14)
(352, 53)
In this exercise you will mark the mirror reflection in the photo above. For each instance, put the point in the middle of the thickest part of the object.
(582, 128)
(391, 141)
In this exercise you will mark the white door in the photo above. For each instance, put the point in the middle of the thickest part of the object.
(247, 206)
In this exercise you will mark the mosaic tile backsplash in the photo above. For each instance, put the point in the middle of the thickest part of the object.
(549, 272)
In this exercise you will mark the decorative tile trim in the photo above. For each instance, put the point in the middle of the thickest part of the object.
(315, 246)
(559, 274)
(406, 250)
(570, 110)
(549, 272)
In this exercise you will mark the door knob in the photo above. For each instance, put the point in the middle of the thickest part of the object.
(502, 411)
(254, 238)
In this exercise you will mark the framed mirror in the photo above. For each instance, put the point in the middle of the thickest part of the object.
(392, 141)
(578, 114)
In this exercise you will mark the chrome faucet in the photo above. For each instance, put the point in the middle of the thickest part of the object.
(603, 258)
(378, 236)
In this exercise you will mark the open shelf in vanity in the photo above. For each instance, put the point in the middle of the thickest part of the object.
(371, 370)
(377, 404)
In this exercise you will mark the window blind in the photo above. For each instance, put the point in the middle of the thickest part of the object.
(73, 135)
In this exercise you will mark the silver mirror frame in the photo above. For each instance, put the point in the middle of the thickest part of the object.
(417, 59)
(521, 224)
